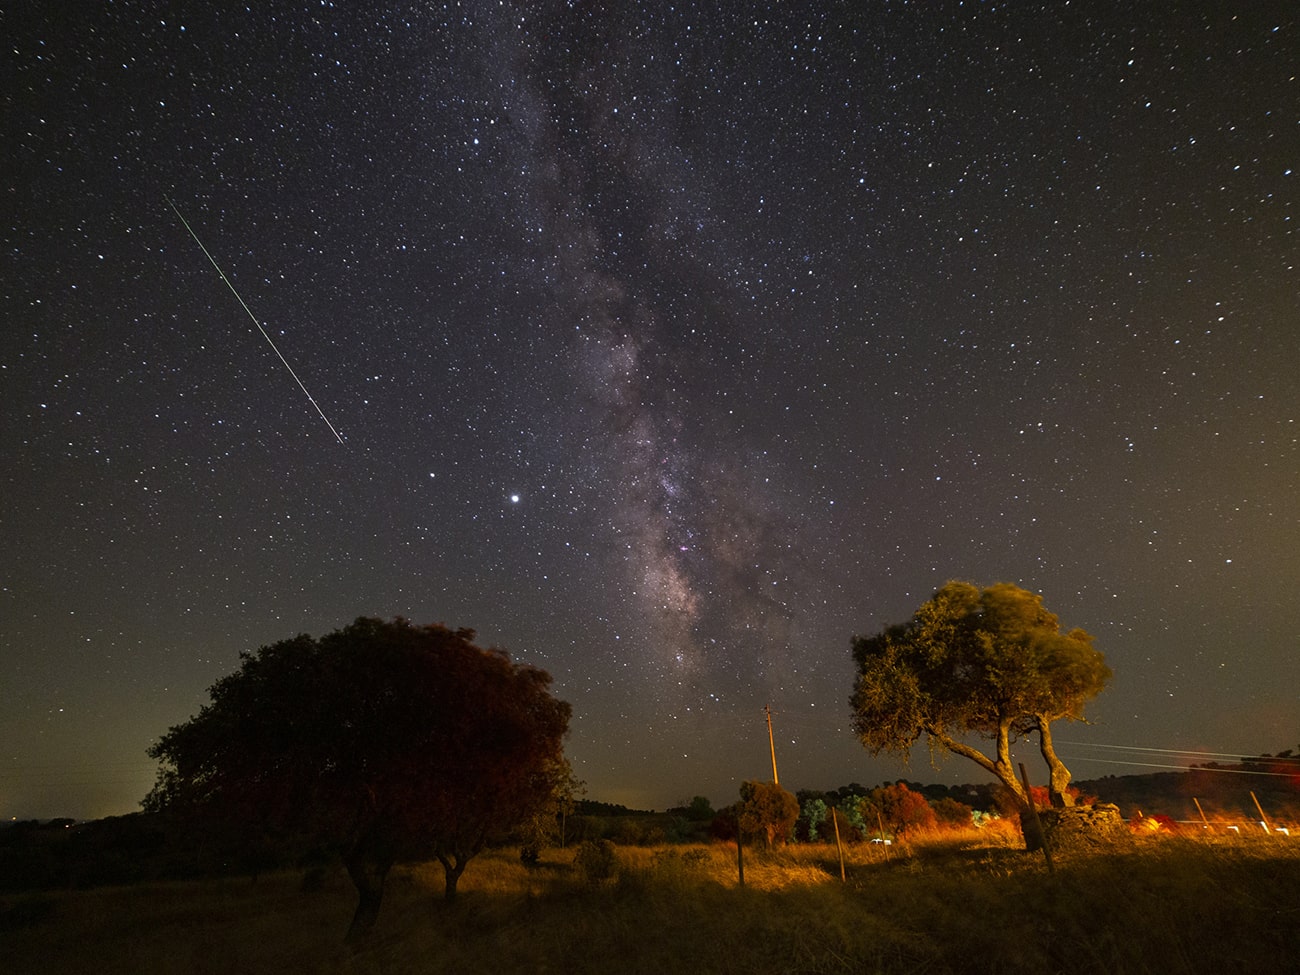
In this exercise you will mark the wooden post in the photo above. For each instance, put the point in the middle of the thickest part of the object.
(740, 854)
(1263, 820)
(838, 848)
(1201, 811)
(1038, 823)
(883, 842)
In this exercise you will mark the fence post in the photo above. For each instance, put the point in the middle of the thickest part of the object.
(1204, 821)
(1263, 820)
(1038, 823)
(838, 849)
(740, 853)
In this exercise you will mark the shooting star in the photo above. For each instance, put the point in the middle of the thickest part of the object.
(244, 305)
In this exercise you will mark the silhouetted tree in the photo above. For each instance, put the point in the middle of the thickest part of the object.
(767, 810)
(700, 810)
(724, 824)
(381, 740)
(549, 822)
(989, 662)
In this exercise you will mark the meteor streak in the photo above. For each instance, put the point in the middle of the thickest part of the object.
(244, 305)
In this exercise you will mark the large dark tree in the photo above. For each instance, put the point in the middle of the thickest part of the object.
(382, 739)
(989, 663)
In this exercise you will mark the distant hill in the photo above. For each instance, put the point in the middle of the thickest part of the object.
(1223, 791)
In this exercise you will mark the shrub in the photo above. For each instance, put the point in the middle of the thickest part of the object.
(596, 861)
(950, 812)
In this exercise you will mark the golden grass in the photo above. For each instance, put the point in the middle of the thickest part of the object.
(964, 904)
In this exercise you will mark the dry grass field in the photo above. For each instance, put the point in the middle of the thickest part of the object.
(1162, 904)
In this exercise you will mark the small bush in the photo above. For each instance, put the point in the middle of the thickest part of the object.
(695, 857)
(596, 861)
(665, 857)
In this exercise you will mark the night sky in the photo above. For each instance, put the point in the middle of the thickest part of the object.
(668, 346)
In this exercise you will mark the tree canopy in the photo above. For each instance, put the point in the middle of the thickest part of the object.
(900, 809)
(986, 662)
(381, 740)
(766, 810)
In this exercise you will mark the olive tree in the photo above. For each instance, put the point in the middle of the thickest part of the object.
(382, 740)
(976, 662)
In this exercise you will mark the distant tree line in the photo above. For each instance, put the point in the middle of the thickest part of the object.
(120, 850)
(1222, 789)
(768, 814)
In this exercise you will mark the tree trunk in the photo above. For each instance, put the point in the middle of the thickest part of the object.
(1006, 773)
(368, 874)
(1059, 774)
(452, 868)
(1001, 767)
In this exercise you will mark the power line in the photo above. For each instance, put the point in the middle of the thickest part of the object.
(1181, 768)
(1182, 751)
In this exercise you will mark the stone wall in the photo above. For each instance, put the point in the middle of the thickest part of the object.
(1084, 827)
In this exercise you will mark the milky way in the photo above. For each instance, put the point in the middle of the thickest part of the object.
(635, 283)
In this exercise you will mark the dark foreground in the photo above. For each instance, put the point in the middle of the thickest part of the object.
(1159, 904)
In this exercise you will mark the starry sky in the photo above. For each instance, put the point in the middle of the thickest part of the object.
(667, 346)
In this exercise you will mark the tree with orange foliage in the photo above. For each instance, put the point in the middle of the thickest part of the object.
(767, 810)
(902, 810)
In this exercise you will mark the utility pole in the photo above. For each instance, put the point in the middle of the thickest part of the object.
(771, 742)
